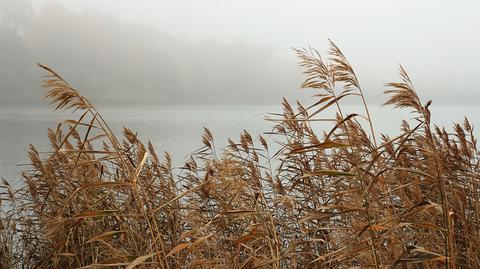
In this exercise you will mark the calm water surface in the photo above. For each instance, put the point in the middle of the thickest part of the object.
(177, 129)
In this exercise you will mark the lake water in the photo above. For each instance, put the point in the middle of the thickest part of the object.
(177, 129)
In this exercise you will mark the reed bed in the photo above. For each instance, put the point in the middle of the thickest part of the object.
(341, 196)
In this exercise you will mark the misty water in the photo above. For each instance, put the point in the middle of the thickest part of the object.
(178, 129)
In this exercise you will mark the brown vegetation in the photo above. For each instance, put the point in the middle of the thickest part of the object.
(331, 197)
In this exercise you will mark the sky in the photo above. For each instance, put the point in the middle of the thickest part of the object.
(147, 52)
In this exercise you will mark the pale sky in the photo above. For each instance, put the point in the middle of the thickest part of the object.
(436, 41)
(283, 24)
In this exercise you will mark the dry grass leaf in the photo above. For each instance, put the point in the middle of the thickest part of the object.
(140, 260)
(178, 248)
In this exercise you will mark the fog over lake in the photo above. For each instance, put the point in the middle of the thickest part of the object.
(121, 53)
(178, 129)
(239, 134)
(168, 68)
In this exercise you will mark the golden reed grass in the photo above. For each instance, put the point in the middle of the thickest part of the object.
(342, 197)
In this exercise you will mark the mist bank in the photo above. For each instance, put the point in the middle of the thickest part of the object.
(118, 64)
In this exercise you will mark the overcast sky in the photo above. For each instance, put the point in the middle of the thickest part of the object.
(233, 52)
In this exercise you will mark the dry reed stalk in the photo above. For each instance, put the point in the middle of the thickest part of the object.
(334, 198)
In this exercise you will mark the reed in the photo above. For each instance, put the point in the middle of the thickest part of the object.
(344, 196)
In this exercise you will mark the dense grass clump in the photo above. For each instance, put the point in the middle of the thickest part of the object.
(342, 197)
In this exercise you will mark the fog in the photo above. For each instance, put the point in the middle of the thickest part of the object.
(144, 53)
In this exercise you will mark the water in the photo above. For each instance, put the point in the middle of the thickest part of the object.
(178, 129)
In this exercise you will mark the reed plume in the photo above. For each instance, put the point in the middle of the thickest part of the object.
(306, 196)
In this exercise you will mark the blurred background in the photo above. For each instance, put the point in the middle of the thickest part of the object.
(148, 52)
(168, 68)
